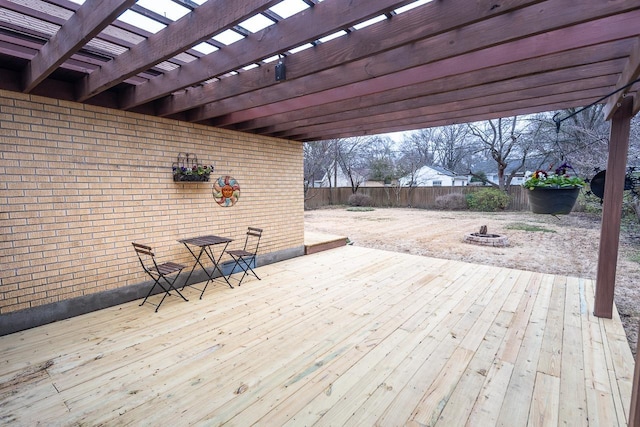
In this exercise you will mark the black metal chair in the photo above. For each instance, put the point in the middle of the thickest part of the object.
(158, 272)
(246, 256)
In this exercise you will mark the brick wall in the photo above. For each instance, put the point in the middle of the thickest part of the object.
(80, 183)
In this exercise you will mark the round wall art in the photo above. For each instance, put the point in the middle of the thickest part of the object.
(226, 191)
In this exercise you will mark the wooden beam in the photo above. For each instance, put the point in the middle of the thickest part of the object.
(380, 37)
(458, 116)
(630, 73)
(519, 76)
(601, 31)
(203, 22)
(376, 74)
(404, 111)
(544, 17)
(612, 209)
(583, 63)
(88, 21)
(476, 98)
(307, 26)
(451, 107)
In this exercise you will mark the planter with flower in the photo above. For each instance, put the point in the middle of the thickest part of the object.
(553, 192)
(188, 169)
(194, 173)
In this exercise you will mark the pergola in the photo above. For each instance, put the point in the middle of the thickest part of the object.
(415, 65)
(308, 70)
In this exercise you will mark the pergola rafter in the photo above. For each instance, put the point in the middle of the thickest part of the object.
(371, 71)
(431, 94)
(441, 106)
(200, 24)
(83, 25)
(517, 107)
(303, 28)
(378, 74)
(363, 44)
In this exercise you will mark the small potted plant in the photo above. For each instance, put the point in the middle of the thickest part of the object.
(553, 192)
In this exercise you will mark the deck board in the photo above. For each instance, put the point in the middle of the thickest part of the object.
(349, 336)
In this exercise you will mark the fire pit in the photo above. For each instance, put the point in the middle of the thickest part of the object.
(484, 238)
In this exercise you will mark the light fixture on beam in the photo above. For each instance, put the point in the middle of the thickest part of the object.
(281, 71)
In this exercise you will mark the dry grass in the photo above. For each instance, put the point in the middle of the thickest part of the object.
(566, 245)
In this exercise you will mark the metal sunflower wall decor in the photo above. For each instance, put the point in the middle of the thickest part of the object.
(226, 191)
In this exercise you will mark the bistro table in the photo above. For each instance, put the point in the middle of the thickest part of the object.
(206, 244)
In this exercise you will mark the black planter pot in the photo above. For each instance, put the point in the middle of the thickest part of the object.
(190, 178)
(556, 201)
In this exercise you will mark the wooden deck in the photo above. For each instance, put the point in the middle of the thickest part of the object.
(350, 336)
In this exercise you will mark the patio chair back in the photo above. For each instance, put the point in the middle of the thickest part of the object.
(245, 256)
(252, 240)
(146, 256)
(158, 272)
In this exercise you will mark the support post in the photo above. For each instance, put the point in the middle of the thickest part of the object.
(634, 411)
(612, 208)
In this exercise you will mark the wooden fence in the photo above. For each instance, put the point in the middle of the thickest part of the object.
(417, 197)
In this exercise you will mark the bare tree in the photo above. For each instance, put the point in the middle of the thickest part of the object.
(421, 145)
(352, 160)
(381, 159)
(321, 164)
(317, 161)
(451, 148)
(583, 139)
(501, 139)
(415, 152)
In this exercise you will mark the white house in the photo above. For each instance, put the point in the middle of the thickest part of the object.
(518, 179)
(434, 176)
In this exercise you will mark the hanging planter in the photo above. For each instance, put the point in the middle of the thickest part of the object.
(553, 193)
(187, 169)
(552, 200)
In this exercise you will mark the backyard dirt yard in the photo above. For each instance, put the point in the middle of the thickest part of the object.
(566, 245)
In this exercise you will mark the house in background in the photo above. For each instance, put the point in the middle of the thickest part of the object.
(518, 178)
(435, 176)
